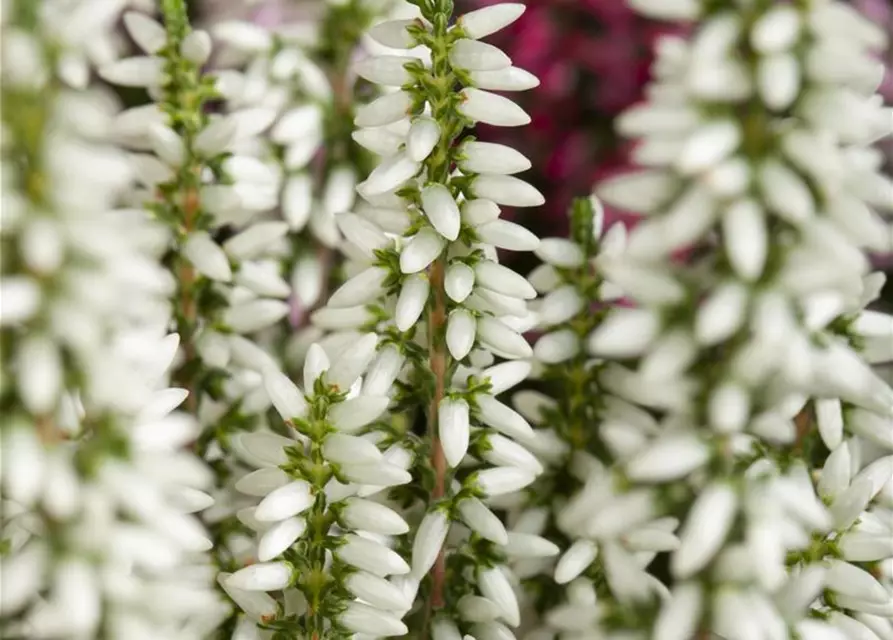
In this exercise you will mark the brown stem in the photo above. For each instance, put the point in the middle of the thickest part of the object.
(188, 306)
(438, 363)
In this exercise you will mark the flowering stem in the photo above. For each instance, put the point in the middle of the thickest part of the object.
(184, 106)
(438, 362)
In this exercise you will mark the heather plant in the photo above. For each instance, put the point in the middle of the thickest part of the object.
(267, 376)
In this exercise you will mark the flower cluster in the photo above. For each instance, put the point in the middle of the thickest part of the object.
(754, 355)
(98, 536)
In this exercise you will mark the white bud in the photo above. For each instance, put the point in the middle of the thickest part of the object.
(196, 47)
(506, 375)
(421, 250)
(287, 398)
(494, 586)
(255, 315)
(778, 80)
(575, 560)
(411, 301)
(363, 619)
(286, 501)
(262, 481)
(453, 429)
(429, 539)
(255, 239)
(297, 200)
(460, 333)
(482, 521)
(706, 527)
(624, 333)
(529, 545)
(472, 55)
(279, 537)
(352, 362)
(207, 256)
(746, 238)
(721, 314)
(508, 235)
(500, 337)
(383, 371)
(669, 458)
(390, 174)
(505, 452)
(785, 192)
(386, 70)
(140, 71)
(480, 23)
(375, 590)
(354, 414)
(373, 517)
(498, 481)
(508, 79)
(361, 289)
(776, 30)
(371, 556)
(146, 32)
(393, 34)
(489, 108)
(267, 576)
(459, 281)
(441, 210)
(487, 157)
(507, 190)
(344, 449)
(384, 110)
(422, 138)
(479, 212)
(316, 362)
(493, 275)
(495, 414)
(709, 145)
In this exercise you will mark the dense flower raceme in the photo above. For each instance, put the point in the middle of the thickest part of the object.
(423, 247)
(755, 355)
(223, 252)
(97, 493)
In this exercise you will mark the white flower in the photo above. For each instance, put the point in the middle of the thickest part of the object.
(498, 481)
(286, 501)
(508, 79)
(459, 281)
(268, 576)
(482, 521)
(354, 414)
(422, 138)
(429, 539)
(495, 587)
(386, 70)
(352, 362)
(489, 108)
(453, 429)
(411, 301)
(279, 537)
(488, 20)
(507, 190)
(370, 556)
(373, 517)
(705, 529)
(477, 56)
(362, 618)
(286, 397)
(460, 334)
(575, 560)
(421, 251)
